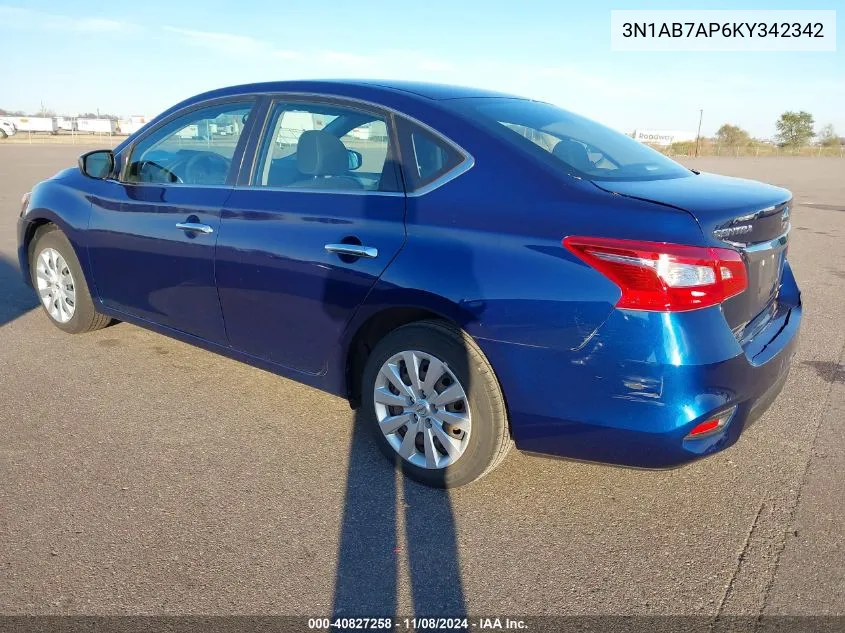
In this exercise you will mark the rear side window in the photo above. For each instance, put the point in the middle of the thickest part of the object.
(426, 157)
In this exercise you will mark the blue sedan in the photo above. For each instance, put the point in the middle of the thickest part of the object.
(471, 269)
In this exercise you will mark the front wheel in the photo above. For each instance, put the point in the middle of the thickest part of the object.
(57, 278)
(435, 405)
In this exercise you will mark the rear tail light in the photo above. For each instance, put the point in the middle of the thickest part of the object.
(663, 277)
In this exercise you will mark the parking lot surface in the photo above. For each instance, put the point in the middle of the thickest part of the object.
(140, 475)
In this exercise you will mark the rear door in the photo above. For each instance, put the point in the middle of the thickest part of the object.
(309, 229)
(152, 237)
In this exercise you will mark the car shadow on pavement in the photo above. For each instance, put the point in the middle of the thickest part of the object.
(373, 563)
(17, 297)
(370, 554)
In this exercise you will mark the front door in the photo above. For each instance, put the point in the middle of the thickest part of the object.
(309, 231)
(154, 233)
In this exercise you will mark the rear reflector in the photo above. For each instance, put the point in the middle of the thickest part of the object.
(711, 426)
(704, 427)
(663, 277)
(25, 202)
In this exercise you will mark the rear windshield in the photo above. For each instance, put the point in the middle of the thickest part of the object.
(570, 142)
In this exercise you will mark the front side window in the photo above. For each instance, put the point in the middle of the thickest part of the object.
(325, 146)
(570, 142)
(195, 149)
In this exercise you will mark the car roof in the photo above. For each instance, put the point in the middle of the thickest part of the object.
(389, 93)
(434, 91)
(361, 88)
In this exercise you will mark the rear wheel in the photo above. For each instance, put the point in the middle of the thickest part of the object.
(57, 278)
(435, 405)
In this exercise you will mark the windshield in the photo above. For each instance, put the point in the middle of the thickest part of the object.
(571, 142)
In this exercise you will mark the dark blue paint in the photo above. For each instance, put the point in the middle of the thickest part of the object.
(581, 378)
(712, 196)
(641, 383)
(132, 234)
(284, 297)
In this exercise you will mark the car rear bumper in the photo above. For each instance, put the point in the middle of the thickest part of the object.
(634, 391)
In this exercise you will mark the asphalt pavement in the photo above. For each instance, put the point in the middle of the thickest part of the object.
(141, 475)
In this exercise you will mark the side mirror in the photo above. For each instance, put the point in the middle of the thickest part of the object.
(97, 164)
(355, 159)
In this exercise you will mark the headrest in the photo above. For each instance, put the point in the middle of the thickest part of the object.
(573, 154)
(318, 153)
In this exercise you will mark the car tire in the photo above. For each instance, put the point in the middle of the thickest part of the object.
(3, 134)
(488, 440)
(84, 316)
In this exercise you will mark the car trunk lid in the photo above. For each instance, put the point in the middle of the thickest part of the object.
(749, 216)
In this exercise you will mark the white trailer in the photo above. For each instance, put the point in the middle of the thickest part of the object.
(35, 124)
(189, 132)
(203, 131)
(66, 123)
(97, 126)
(362, 133)
(293, 124)
(132, 124)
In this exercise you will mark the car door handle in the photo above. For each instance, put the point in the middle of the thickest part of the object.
(355, 250)
(196, 227)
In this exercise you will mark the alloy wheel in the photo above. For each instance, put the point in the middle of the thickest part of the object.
(55, 285)
(422, 409)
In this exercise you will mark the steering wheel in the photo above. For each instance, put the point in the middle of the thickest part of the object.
(206, 168)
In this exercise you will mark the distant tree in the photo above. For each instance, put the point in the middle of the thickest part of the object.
(732, 135)
(681, 148)
(827, 136)
(11, 112)
(795, 128)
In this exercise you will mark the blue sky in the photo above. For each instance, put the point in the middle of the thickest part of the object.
(141, 57)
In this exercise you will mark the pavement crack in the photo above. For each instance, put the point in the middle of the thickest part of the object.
(760, 528)
(740, 559)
